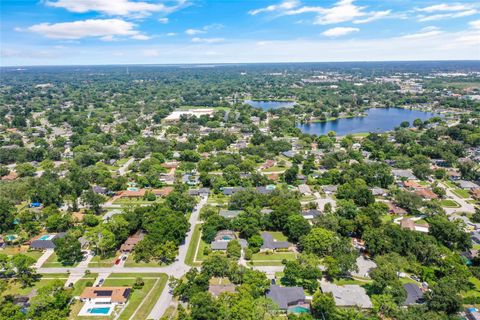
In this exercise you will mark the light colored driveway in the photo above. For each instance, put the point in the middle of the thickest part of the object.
(123, 169)
(43, 258)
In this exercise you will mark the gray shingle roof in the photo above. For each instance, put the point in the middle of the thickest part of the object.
(286, 296)
(414, 294)
(230, 214)
(270, 243)
(347, 295)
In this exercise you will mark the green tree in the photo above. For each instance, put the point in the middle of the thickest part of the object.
(68, 249)
(234, 249)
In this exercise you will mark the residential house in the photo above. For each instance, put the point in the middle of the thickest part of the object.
(409, 224)
(199, 192)
(475, 193)
(473, 314)
(347, 295)
(268, 164)
(46, 241)
(286, 297)
(228, 191)
(269, 243)
(468, 185)
(379, 192)
(311, 214)
(426, 193)
(229, 214)
(304, 189)
(105, 295)
(330, 189)
(403, 174)
(414, 294)
(131, 242)
(217, 289)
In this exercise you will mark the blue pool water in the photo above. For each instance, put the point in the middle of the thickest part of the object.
(376, 120)
(45, 237)
(299, 309)
(267, 104)
(226, 238)
(99, 310)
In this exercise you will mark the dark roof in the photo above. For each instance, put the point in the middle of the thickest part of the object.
(414, 294)
(46, 244)
(270, 243)
(228, 191)
(286, 296)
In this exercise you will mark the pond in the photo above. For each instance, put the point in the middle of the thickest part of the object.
(270, 104)
(376, 120)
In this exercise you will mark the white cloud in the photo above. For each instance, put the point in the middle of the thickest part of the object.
(339, 31)
(171, 34)
(475, 24)
(163, 20)
(452, 15)
(106, 29)
(140, 37)
(116, 7)
(426, 32)
(285, 5)
(341, 11)
(207, 40)
(445, 7)
(192, 32)
(445, 11)
(375, 16)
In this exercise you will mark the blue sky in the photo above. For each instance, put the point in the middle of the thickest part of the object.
(58, 32)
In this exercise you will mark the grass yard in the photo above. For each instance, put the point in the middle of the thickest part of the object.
(130, 263)
(274, 169)
(344, 281)
(141, 300)
(189, 258)
(87, 279)
(10, 251)
(474, 292)
(448, 203)
(307, 198)
(272, 259)
(98, 262)
(450, 184)
(278, 235)
(461, 193)
(217, 198)
(16, 289)
(52, 262)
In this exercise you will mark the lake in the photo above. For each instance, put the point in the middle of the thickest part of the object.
(270, 104)
(376, 120)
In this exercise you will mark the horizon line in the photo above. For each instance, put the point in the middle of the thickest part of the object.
(232, 63)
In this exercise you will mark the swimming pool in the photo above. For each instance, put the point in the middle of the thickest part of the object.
(226, 238)
(132, 189)
(46, 237)
(99, 310)
(11, 237)
(299, 309)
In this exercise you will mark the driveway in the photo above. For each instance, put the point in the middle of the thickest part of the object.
(464, 205)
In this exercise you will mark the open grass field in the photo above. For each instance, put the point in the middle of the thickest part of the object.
(448, 203)
(15, 288)
(189, 258)
(217, 198)
(274, 169)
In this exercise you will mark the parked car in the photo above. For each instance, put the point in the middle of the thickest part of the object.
(117, 261)
(124, 258)
(101, 281)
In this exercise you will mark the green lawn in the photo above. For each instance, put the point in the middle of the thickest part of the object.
(15, 288)
(278, 235)
(217, 198)
(52, 262)
(275, 169)
(272, 259)
(475, 292)
(189, 258)
(82, 283)
(461, 193)
(450, 184)
(130, 263)
(99, 262)
(10, 251)
(344, 281)
(149, 295)
(448, 203)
